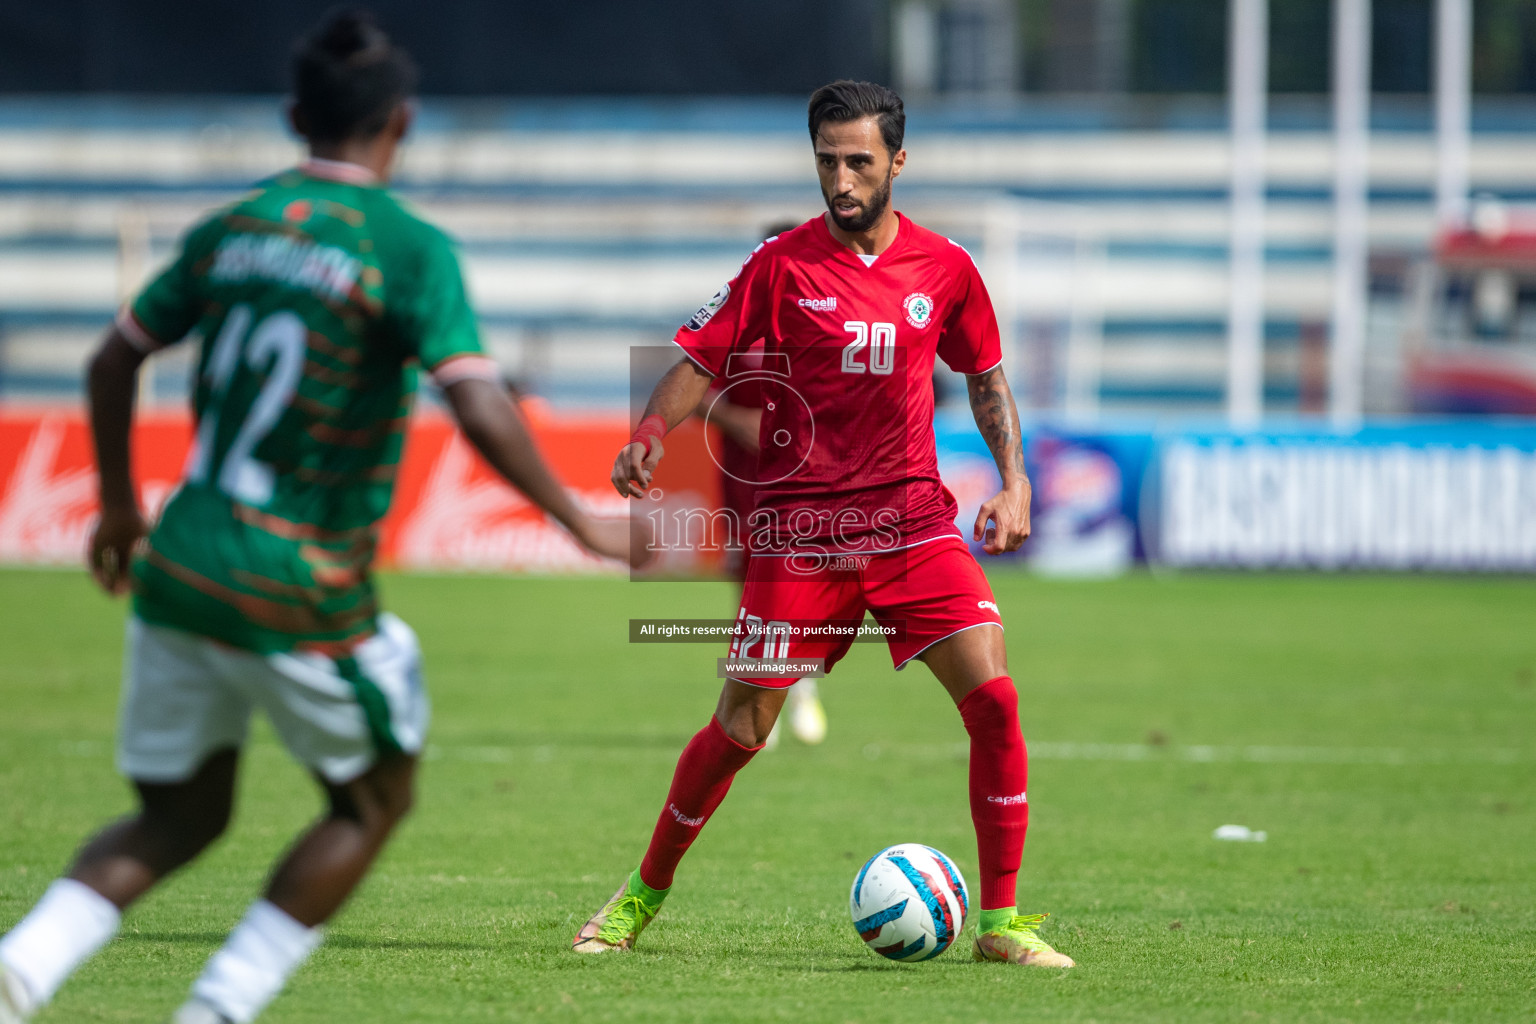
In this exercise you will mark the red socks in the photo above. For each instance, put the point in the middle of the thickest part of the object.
(999, 772)
(703, 776)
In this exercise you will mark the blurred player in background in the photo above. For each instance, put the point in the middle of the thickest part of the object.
(738, 416)
(855, 305)
(313, 296)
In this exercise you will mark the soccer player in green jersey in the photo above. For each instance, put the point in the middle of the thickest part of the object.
(313, 296)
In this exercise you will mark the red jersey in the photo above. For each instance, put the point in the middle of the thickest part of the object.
(848, 464)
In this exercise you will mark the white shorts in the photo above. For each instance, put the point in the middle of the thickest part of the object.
(186, 696)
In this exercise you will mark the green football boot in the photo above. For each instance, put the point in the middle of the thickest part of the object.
(622, 918)
(1019, 942)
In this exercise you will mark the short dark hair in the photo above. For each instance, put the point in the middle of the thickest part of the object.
(843, 101)
(348, 77)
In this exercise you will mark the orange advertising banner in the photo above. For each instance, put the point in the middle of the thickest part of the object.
(451, 511)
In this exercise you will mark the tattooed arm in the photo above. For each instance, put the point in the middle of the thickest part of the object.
(998, 420)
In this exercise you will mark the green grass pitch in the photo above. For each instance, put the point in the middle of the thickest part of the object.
(1381, 730)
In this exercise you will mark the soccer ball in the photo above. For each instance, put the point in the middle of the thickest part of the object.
(908, 902)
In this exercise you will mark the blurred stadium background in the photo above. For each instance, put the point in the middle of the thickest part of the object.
(1265, 284)
(1268, 296)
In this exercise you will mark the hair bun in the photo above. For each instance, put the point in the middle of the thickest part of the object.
(348, 77)
(348, 32)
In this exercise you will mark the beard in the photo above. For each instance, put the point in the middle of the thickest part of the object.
(867, 214)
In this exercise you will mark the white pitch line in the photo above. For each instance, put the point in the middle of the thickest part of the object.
(1274, 754)
(1209, 754)
(1039, 751)
(1046, 751)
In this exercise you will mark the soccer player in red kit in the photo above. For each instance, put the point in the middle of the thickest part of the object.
(851, 515)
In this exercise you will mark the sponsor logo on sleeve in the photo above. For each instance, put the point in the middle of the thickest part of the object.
(919, 309)
(707, 311)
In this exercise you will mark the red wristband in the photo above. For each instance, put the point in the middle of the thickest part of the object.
(652, 428)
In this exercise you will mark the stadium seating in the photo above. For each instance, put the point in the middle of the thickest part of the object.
(589, 229)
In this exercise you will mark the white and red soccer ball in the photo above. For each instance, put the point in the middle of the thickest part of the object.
(908, 902)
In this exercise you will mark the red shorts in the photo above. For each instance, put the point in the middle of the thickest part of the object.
(918, 596)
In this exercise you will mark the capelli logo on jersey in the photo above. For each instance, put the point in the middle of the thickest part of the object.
(683, 819)
(1008, 801)
(826, 305)
(989, 604)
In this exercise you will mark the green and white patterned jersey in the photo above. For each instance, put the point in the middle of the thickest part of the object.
(312, 296)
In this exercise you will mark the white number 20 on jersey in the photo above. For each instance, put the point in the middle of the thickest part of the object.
(880, 339)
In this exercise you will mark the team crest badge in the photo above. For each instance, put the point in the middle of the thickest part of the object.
(919, 309)
(707, 311)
